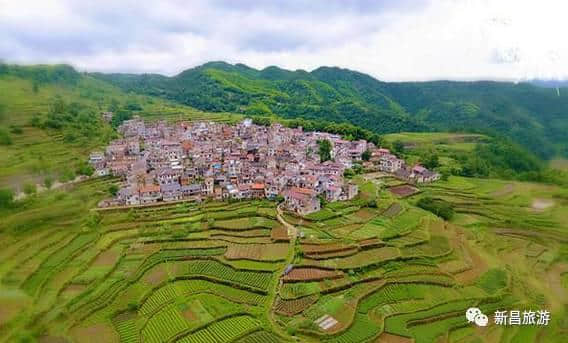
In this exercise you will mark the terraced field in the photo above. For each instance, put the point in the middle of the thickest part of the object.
(225, 272)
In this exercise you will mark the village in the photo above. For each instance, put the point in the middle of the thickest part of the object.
(162, 162)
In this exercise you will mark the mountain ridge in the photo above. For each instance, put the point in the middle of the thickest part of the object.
(532, 116)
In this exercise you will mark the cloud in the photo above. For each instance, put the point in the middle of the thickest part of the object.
(391, 40)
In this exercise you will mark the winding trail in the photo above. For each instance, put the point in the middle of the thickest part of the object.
(292, 231)
(292, 234)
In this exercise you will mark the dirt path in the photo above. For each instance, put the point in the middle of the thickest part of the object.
(273, 290)
(40, 188)
(292, 231)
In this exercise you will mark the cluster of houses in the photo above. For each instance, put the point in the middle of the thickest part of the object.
(387, 162)
(169, 162)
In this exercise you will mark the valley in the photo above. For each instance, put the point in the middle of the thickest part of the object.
(398, 262)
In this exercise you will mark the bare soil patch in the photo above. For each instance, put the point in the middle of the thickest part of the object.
(404, 191)
(310, 248)
(332, 254)
(279, 234)
(190, 315)
(371, 243)
(9, 311)
(106, 258)
(393, 210)
(506, 190)
(542, 204)
(52, 339)
(156, 276)
(478, 267)
(259, 252)
(94, 334)
(310, 274)
(365, 214)
(390, 338)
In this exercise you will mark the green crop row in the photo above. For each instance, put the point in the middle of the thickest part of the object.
(185, 287)
(215, 269)
(225, 330)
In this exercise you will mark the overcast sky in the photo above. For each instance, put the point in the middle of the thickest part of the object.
(392, 40)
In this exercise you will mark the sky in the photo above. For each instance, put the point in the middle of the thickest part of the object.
(392, 40)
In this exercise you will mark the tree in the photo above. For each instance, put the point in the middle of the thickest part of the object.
(437, 206)
(348, 173)
(322, 201)
(6, 197)
(398, 147)
(85, 169)
(431, 161)
(113, 189)
(324, 150)
(35, 121)
(5, 138)
(120, 116)
(113, 106)
(366, 155)
(357, 168)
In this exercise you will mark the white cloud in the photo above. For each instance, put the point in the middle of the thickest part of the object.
(409, 40)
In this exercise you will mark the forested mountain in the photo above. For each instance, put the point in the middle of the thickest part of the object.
(532, 116)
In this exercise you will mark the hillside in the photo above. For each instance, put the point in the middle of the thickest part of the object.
(50, 120)
(532, 116)
(398, 263)
(212, 271)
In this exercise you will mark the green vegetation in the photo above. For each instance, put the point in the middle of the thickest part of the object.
(382, 266)
(529, 115)
(473, 155)
(50, 121)
(324, 150)
(438, 207)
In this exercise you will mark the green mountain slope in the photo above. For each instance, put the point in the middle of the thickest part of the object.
(532, 116)
(50, 120)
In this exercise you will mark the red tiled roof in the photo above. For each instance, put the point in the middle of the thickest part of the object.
(149, 188)
(257, 186)
(305, 191)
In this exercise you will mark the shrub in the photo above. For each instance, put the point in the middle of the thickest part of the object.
(6, 197)
(17, 130)
(30, 188)
(439, 207)
(5, 138)
(48, 182)
(85, 169)
(113, 189)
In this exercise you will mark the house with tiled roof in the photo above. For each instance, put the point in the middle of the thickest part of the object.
(301, 200)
